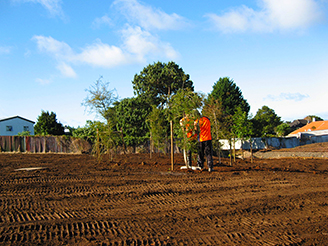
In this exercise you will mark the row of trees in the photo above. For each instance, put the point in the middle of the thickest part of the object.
(164, 94)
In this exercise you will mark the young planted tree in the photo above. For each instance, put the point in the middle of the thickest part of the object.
(241, 127)
(221, 124)
(213, 110)
(184, 111)
(159, 130)
(95, 133)
(100, 100)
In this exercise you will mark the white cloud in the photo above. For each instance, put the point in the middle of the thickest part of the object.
(60, 50)
(142, 43)
(97, 54)
(273, 15)
(148, 17)
(43, 81)
(4, 50)
(53, 6)
(287, 96)
(66, 70)
(137, 46)
(104, 20)
(103, 55)
(292, 13)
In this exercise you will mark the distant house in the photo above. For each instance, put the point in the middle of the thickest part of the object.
(296, 124)
(316, 128)
(13, 125)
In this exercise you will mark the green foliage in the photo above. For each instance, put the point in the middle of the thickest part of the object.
(229, 95)
(99, 134)
(157, 82)
(310, 118)
(69, 130)
(89, 131)
(241, 127)
(220, 124)
(265, 122)
(187, 104)
(283, 129)
(47, 124)
(131, 114)
(159, 127)
(24, 133)
(100, 99)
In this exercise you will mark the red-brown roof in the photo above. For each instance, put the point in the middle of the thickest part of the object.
(313, 126)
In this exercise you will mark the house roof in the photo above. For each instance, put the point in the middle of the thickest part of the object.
(13, 117)
(313, 126)
(298, 123)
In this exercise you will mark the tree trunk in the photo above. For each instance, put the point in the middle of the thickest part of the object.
(150, 146)
(230, 153)
(242, 150)
(234, 149)
(251, 148)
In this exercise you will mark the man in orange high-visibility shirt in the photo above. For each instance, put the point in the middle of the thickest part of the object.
(205, 143)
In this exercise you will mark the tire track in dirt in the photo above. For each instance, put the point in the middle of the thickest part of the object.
(125, 205)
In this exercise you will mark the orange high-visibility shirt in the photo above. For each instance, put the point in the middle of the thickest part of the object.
(204, 125)
(189, 131)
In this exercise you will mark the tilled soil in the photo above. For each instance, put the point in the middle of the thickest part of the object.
(57, 199)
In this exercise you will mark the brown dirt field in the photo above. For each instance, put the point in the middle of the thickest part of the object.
(317, 150)
(135, 200)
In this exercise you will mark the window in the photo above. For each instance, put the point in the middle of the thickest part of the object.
(9, 128)
(26, 128)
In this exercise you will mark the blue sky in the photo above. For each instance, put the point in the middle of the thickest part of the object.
(52, 50)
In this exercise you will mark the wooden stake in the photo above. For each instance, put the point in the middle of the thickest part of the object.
(172, 147)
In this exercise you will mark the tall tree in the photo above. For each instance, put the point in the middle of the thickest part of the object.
(158, 81)
(222, 104)
(131, 116)
(47, 124)
(229, 95)
(156, 84)
(100, 98)
(265, 122)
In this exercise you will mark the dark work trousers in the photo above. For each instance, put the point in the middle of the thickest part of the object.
(205, 149)
(189, 160)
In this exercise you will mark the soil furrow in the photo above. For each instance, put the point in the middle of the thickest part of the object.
(76, 201)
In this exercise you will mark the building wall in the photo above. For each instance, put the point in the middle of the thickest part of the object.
(279, 143)
(13, 126)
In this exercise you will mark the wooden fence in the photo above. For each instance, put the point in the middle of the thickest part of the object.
(43, 144)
